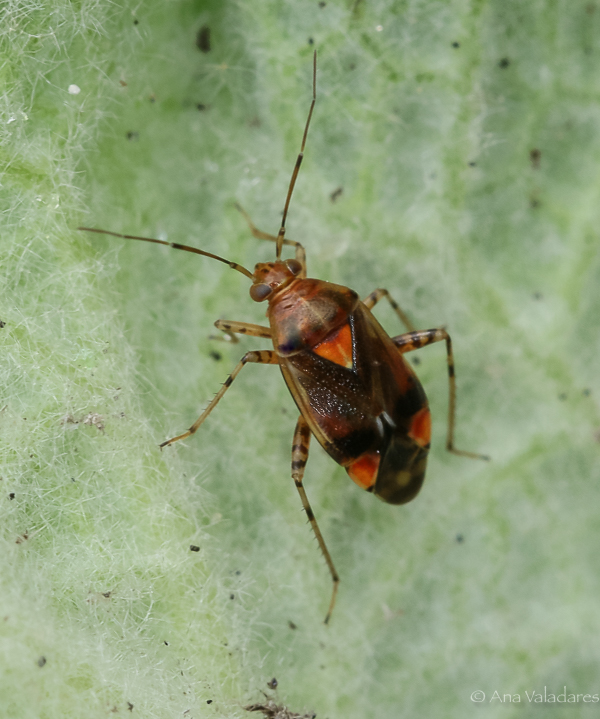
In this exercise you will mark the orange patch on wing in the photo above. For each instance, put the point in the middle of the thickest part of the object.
(420, 427)
(364, 470)
(337, 347)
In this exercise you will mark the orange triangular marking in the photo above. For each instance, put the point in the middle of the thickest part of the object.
(337, 347)
(420, 427)
(364, 470)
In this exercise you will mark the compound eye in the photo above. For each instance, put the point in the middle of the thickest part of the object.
(260, 292)
(294, 266)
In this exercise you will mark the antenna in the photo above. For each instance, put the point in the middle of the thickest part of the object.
(281, 234)
(175, 246)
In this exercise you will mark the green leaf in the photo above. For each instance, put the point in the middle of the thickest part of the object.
(453, 159)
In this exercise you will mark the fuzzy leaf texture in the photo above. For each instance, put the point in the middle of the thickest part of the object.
(454, 159)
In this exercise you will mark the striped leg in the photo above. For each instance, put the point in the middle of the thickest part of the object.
(415, 340)
(374, 298)
(259, 356)
(300, 251)
(231, 328)
(299, 458)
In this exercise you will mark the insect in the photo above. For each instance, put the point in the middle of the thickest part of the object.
(356, 393)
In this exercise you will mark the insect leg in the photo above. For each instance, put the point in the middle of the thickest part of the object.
(300, 251)
(415, 340)
(231, 328)
(259, 356)
(374, 298)
(299, 458)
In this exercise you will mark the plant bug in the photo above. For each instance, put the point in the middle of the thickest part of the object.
(356, 393)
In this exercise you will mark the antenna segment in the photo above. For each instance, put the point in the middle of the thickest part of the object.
(175, 246)
(281, 233)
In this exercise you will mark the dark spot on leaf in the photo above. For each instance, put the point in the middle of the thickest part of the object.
(336, 193)
(535, 156)
(203, 39)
